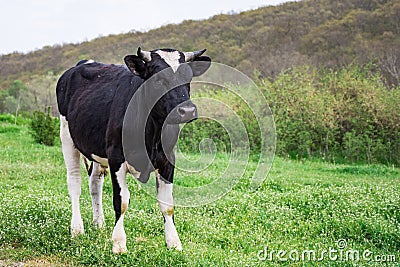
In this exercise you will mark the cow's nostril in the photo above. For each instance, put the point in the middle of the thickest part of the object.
(181, 111)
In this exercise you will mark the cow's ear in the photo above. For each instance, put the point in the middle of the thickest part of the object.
(135, 65)
(200, 65)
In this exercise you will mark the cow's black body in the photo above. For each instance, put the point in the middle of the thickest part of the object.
(94, 98)
(86, 95)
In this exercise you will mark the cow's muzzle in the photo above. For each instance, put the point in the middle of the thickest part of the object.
(187, 113)
(183, 113)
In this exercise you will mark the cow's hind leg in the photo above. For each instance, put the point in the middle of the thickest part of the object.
(74, 180)
(166, 202)
(96, 180)
(121, 201)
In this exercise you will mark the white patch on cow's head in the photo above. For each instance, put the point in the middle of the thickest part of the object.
(90, 61)
(171, 58)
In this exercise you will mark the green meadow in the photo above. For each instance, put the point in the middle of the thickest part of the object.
(306, 213)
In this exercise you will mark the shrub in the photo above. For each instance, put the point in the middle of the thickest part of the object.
(339, 115)
(192, 134)
(21, 119)
(345, 114)
(44, 127)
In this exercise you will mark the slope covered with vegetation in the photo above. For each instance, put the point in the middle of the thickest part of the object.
(269, 39)
(330, 72)
(329, 69)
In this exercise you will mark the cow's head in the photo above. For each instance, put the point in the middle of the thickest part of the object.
(172, 72)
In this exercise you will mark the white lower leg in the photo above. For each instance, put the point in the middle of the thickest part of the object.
(74, 180)
(166, 202)
(96, 180)
(119, 236)
(74, 189)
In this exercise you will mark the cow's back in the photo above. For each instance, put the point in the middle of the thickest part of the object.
(86, 94)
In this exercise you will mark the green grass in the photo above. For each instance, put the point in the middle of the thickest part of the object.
(302, 205)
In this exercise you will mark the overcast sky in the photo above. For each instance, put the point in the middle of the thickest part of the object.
(29, 25)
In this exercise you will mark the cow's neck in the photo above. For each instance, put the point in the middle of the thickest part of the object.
(153, 138)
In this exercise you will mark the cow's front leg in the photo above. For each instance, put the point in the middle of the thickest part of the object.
(74, 180)
(166, 201)
(121, 201)
(96, 180)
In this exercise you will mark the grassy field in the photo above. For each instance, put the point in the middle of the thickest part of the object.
(302, 206)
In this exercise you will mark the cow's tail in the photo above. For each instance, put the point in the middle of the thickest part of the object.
(64, 90)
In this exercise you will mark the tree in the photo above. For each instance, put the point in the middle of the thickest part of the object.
(17, 88)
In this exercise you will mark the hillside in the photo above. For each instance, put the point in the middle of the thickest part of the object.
(315, 32)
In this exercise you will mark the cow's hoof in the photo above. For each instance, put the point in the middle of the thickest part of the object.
(99, 222)
(174, 244)
(77, 228)
(119, 247)
(77, 232)
(119, 240)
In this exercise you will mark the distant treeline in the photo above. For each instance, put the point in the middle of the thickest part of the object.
(37, 94)
(327, 33)
(345, 115)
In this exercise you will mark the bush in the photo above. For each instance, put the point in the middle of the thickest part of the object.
(192, 134)
(223, 129)
(21, 119)
(338, 115)
(44, 127)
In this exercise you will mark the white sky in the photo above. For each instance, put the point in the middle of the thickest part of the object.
(27, 25)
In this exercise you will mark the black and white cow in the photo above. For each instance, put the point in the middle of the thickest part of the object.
(93, 99)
